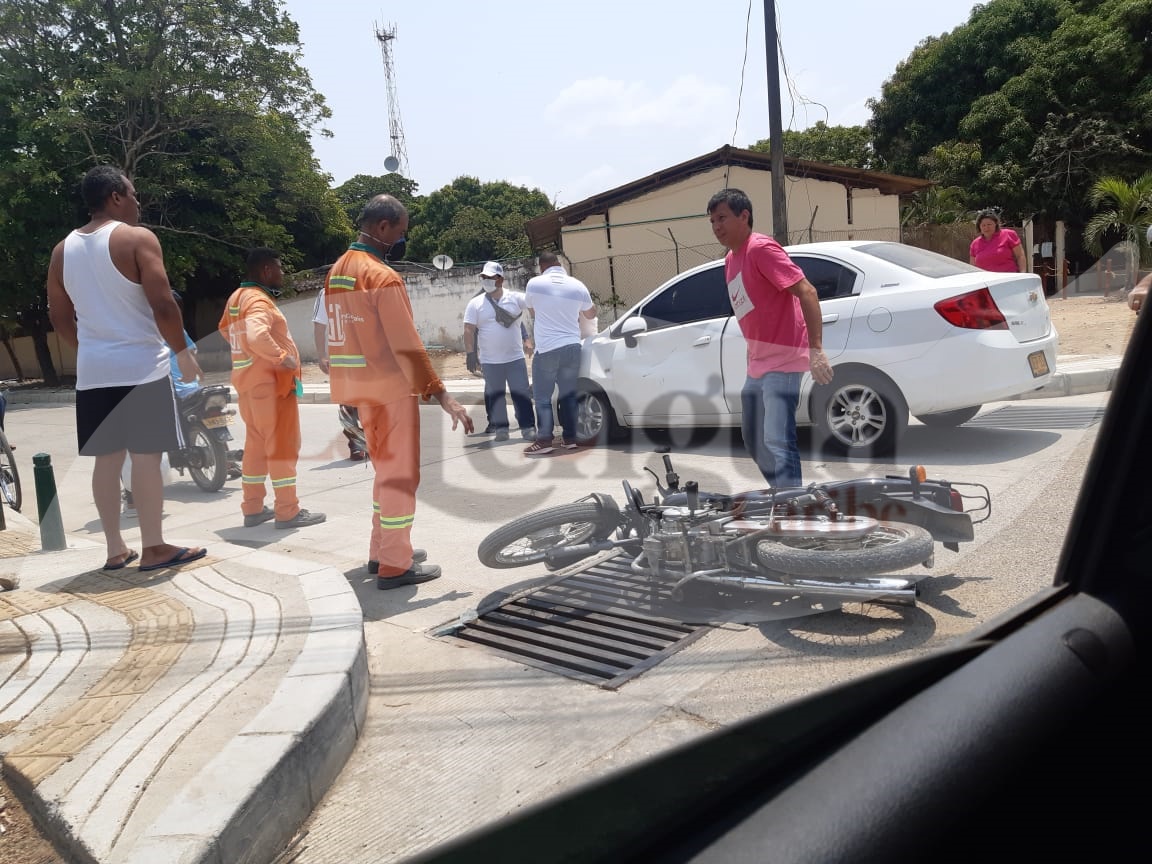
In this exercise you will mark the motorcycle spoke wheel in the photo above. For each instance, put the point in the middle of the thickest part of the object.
(208, 462)
(528, 540)
(890, 546)
(9, 476)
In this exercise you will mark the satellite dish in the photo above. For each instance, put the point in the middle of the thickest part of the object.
(442, 262)
(391, 163)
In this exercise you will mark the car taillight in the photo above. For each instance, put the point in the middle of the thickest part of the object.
(956, 500)
(973, 311)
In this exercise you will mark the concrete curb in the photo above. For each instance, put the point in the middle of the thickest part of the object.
(245, 803)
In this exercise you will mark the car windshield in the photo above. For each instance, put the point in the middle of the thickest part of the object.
(923, 262)
(434, 551)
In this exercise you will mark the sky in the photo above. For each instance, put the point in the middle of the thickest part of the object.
(575, 98)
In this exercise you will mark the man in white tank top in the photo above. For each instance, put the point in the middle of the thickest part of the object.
(109, 297)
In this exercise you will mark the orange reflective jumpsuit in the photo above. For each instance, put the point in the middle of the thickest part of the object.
(377, 362)
(258, 334)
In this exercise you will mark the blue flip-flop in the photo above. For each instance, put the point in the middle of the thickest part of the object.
(128, 559)
(181, 557)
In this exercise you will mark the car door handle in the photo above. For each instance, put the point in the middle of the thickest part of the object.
(703, 340)
(831, 317)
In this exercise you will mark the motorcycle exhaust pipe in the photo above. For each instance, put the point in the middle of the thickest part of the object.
(554, 559)
(892, 592)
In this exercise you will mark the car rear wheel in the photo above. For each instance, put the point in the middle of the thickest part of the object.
(859, 414)
(595, 419)
(949, 418)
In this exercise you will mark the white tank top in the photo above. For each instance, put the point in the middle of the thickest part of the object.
(120, 344)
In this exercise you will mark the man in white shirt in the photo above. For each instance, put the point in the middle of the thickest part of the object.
(558, 302)
(495, 342)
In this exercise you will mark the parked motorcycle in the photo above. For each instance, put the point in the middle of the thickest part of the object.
(205, 417)
(832, 541)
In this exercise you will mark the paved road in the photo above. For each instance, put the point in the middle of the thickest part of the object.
(456, 737)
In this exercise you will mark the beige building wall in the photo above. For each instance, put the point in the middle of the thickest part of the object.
(643, 242)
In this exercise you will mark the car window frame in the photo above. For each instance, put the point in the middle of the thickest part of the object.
(845, 266)
(638, 310)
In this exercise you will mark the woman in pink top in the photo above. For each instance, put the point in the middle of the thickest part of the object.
(997, 249)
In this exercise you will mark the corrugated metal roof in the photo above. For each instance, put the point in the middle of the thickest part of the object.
(544, 231)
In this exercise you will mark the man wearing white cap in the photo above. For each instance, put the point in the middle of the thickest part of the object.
(495, 342)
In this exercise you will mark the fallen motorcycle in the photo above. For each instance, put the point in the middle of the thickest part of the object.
(833, 541)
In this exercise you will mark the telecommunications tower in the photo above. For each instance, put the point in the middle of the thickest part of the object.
(398, 160)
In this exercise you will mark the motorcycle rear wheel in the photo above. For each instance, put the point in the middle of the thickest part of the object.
(528, 540)
(890, 546)
(208, 465)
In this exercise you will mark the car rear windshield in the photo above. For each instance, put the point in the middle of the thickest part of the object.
(922, 261)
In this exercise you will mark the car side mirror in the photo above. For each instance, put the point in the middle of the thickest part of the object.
(632, 328)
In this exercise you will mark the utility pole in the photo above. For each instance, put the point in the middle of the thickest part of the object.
(775, 132)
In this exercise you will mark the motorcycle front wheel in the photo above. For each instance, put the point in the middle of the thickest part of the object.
(528, 540)
(889, 546)
(208, 460)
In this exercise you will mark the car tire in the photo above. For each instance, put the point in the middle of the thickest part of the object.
(861, 413)
(596, 419)
(945, 419)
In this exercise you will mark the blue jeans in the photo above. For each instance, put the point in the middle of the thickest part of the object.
(768, 422)
(556, 369)
(514, 377)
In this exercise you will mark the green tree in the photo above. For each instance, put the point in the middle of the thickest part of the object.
(354, 193)
(850, 146)
(203, 103)
(474, 221)
(1050, 93)
(1126, 214)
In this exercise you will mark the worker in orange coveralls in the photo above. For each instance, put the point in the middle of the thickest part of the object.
(377, 363)
(264, 366)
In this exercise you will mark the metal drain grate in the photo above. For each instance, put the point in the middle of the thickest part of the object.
(1039, 417)
(589, 625)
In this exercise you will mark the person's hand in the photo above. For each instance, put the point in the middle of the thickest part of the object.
(473, 362)
(1138, 297)
(456, 411)
(289, 362)
(821, 368)
(323, 364)
(189, 368)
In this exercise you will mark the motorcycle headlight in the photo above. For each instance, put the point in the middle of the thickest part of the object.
(216, 402)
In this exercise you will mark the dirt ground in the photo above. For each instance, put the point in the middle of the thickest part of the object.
(20, 839)
(1092, 324)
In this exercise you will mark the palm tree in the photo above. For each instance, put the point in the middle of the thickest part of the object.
(1129, 211)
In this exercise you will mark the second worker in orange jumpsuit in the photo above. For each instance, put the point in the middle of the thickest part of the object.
(377, 363)
(265, 363)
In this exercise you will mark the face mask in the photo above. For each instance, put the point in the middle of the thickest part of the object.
(489, 286)
(396, 252)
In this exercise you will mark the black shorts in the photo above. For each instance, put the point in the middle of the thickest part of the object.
(140, 419)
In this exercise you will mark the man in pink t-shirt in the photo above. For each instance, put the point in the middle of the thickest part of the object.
(995, 248)
(779, 315)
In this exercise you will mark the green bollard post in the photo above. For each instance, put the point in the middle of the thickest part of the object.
(48, 504)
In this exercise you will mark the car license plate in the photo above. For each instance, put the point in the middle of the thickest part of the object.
(218, 421)
(1039, 363)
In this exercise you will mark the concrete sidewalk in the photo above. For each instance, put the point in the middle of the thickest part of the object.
(193, 714)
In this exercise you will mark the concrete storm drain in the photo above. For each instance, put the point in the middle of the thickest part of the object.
(592, 625)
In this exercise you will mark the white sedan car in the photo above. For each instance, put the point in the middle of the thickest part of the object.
(908, 332)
